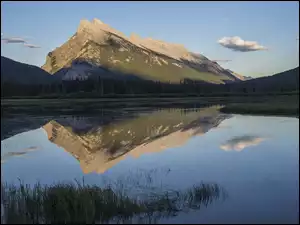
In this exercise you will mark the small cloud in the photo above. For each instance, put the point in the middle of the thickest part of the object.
(238, 44)
(31, 45)
(15, 40)
(239, 143)
(19, 40)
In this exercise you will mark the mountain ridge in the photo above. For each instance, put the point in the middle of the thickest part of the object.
(99, 42)
(17, 72)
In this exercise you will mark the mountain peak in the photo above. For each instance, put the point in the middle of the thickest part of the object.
(83, 24)
(134, 36)
(97, 30)
(94, 26)
(103, 45)
(97, 21)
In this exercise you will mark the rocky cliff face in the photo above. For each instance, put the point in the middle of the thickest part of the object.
(110, 53)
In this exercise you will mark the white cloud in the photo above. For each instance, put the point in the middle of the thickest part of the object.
(237, 44)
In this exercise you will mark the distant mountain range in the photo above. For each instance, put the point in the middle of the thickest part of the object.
(96, 49)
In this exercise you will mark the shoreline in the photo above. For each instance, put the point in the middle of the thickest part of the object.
(244, 105)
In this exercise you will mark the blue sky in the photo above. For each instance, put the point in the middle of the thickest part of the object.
(197, 25)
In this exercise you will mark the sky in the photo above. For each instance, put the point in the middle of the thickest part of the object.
(260, 38)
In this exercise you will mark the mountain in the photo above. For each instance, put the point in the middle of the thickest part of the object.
(284, 81)
(98, 50)
(239, 76)
(16, 72)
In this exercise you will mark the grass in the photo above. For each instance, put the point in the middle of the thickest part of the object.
(275, 108)
(118, 97)
(80, 203)
(65, 106)
(254, 104)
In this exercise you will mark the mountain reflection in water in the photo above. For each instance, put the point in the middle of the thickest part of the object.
(103, 142)
(102, 146)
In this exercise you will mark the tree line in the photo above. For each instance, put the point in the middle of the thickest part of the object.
(106, 87)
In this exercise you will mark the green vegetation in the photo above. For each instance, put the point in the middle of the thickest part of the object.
(94, 105)
(278, 106)
(60, 106)
(118, 97)
(100, 87)
(80, 203)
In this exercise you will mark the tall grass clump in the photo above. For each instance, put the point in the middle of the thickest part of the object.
(82, 203)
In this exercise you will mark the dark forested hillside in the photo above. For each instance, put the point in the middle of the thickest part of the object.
(16, 72)
(18, 79)
(285, 81)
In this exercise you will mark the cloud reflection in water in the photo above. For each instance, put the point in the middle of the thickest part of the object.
(241, 142)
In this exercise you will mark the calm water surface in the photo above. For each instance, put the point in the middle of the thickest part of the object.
(254, 158)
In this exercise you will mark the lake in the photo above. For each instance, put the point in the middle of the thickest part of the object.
(255, 159)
